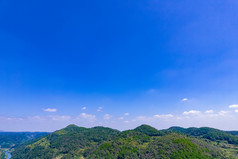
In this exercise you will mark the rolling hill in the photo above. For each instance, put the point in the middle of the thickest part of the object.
(141, 142)
(207, 133)
(69, 142)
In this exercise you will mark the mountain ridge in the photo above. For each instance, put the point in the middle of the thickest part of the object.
(143, 141)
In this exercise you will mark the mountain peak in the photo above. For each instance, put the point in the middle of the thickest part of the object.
(144, 126)
(148, 130)
(71, 126)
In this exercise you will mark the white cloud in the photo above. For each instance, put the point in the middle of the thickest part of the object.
(184, 99)
(60, 117)
(154, 118)
(84, 108)
(142, 118)
(223, 112)
(209, 111)
(37, 117)
(223, 119)
(99, 109)
(89, 117)
(163, 116)
(50, 110)
(14, 119)
(191, 112)
(126, 114)
(107, 116)
(233, 106)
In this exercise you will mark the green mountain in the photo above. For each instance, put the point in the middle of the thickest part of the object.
(148, 130)
(70, 142)
(208, 133)
(15, 139)
(131, 144)
(105, 143)
(233, 132)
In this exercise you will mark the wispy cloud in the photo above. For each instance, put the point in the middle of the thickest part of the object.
(153, 118)
(11, 119)
(223, 119)
(86, 116)
(233, 106)
(184, 99)
(126, 114)
(223, 112)
(50, 110)
(209, 111)
(121, 118)
(84, 108)
(60, 117)
(163, 116)
(107, 116)
(191, 112)
(99, 109)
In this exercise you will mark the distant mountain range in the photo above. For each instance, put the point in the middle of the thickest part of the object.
(142, 142)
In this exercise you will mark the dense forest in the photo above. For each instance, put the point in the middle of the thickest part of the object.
(12, 140)
(142, 142)
(15, 139)
(2, 154)
(208, 133)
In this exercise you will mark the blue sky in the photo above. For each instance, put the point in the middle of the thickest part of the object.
(118, 64)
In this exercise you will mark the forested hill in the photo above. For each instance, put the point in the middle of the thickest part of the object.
(15, 139)
(208, 133)
(233, 132)
(72, 141)
(141, 142)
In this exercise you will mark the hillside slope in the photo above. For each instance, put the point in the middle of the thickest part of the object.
(69, 142)
(208, 133)
(100, 142)
(15, 139)
(131, 144)
(233, 132)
